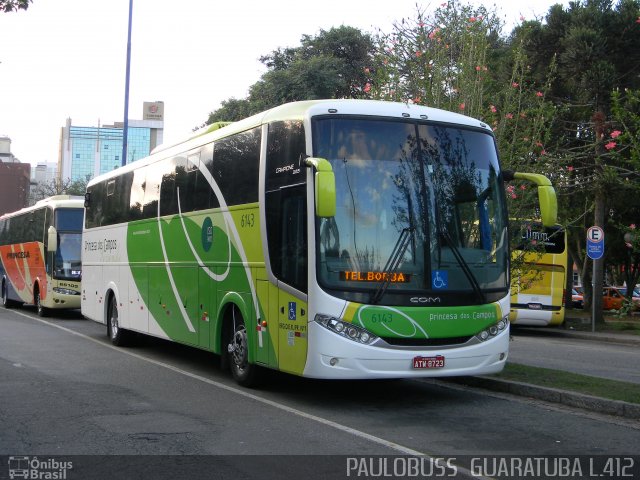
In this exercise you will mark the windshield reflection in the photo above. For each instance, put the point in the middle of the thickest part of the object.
(432, 181)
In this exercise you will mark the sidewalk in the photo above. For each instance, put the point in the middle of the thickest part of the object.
(577, 328)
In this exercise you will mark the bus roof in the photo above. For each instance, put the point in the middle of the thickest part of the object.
(300, 111)
(57, 201)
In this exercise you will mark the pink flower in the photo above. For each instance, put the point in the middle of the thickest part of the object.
(510, 189)
(366, 70)
(538, 144)
(638, 20)
(616, 134)
(523, 187)
(521, 18)
(472, 19)
(367, 88)
(434, 33)
(632, 226)
(493, 108)
(543, 152)
(461, 106)
(513, 195)
(478, 68)
(515, 84)
(418, 54)
(509, 115)
(570, 168)
(539, 94)
(610, 145)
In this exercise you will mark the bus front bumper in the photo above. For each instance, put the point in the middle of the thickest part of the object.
(334, 357)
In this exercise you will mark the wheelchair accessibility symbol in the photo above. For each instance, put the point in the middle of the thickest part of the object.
(440, 279)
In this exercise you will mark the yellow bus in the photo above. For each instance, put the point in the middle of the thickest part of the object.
(539, 269)
(40, 254)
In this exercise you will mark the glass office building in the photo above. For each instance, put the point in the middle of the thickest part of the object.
(86, 152)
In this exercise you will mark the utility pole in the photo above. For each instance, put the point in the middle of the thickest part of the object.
(125, 128)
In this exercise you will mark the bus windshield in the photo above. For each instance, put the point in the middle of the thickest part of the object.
(419, 209)
(67, 264)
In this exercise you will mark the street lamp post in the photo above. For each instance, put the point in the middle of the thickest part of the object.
(125, 127)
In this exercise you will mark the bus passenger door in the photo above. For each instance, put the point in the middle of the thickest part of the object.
(292, 271)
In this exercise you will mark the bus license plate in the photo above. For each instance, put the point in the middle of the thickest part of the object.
(535, 306)
(428, 362)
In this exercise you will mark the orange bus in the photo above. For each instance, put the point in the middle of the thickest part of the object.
(40, 248)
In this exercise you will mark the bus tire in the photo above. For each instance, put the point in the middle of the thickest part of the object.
(244, 373)
(6, 303)
(37, 301)
(118, 336)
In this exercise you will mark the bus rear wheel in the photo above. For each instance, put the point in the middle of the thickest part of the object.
(42, 311)
(6, 303)
(244, 373)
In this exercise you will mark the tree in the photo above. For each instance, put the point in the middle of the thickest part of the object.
(597, 49)
(329, 65)
(59, 187)
(456, 60)
(13, 5)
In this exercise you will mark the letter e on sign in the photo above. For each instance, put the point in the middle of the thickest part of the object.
(595, 234)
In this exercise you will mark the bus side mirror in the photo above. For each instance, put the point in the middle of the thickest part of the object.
(87, 200)
(52, 239)
(546, 195)
(325, 187)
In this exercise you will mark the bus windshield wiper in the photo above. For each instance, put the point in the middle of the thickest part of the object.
(396, 256)
(464, 266)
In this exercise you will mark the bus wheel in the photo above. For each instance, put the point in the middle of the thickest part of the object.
(245, 373)
(6, 303)
(117, 335)
(42, 311)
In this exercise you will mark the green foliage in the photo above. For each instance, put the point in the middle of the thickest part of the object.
(231, 110)
(13, 5)
(329, 65)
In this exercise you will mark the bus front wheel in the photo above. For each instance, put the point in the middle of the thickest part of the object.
(42, 311)
(117, 335)
(244, 373)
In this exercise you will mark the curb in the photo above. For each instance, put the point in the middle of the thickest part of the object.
(622, 339)
(586, 402)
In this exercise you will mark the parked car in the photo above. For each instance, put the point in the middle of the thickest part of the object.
(613, 298)
(635, 295)
(576, 299)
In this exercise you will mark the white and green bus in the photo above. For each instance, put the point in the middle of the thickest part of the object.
(335, 239)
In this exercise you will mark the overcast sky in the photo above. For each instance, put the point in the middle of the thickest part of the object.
(67, 58)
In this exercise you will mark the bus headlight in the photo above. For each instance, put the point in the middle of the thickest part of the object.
(493, 330)
(346, 329)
